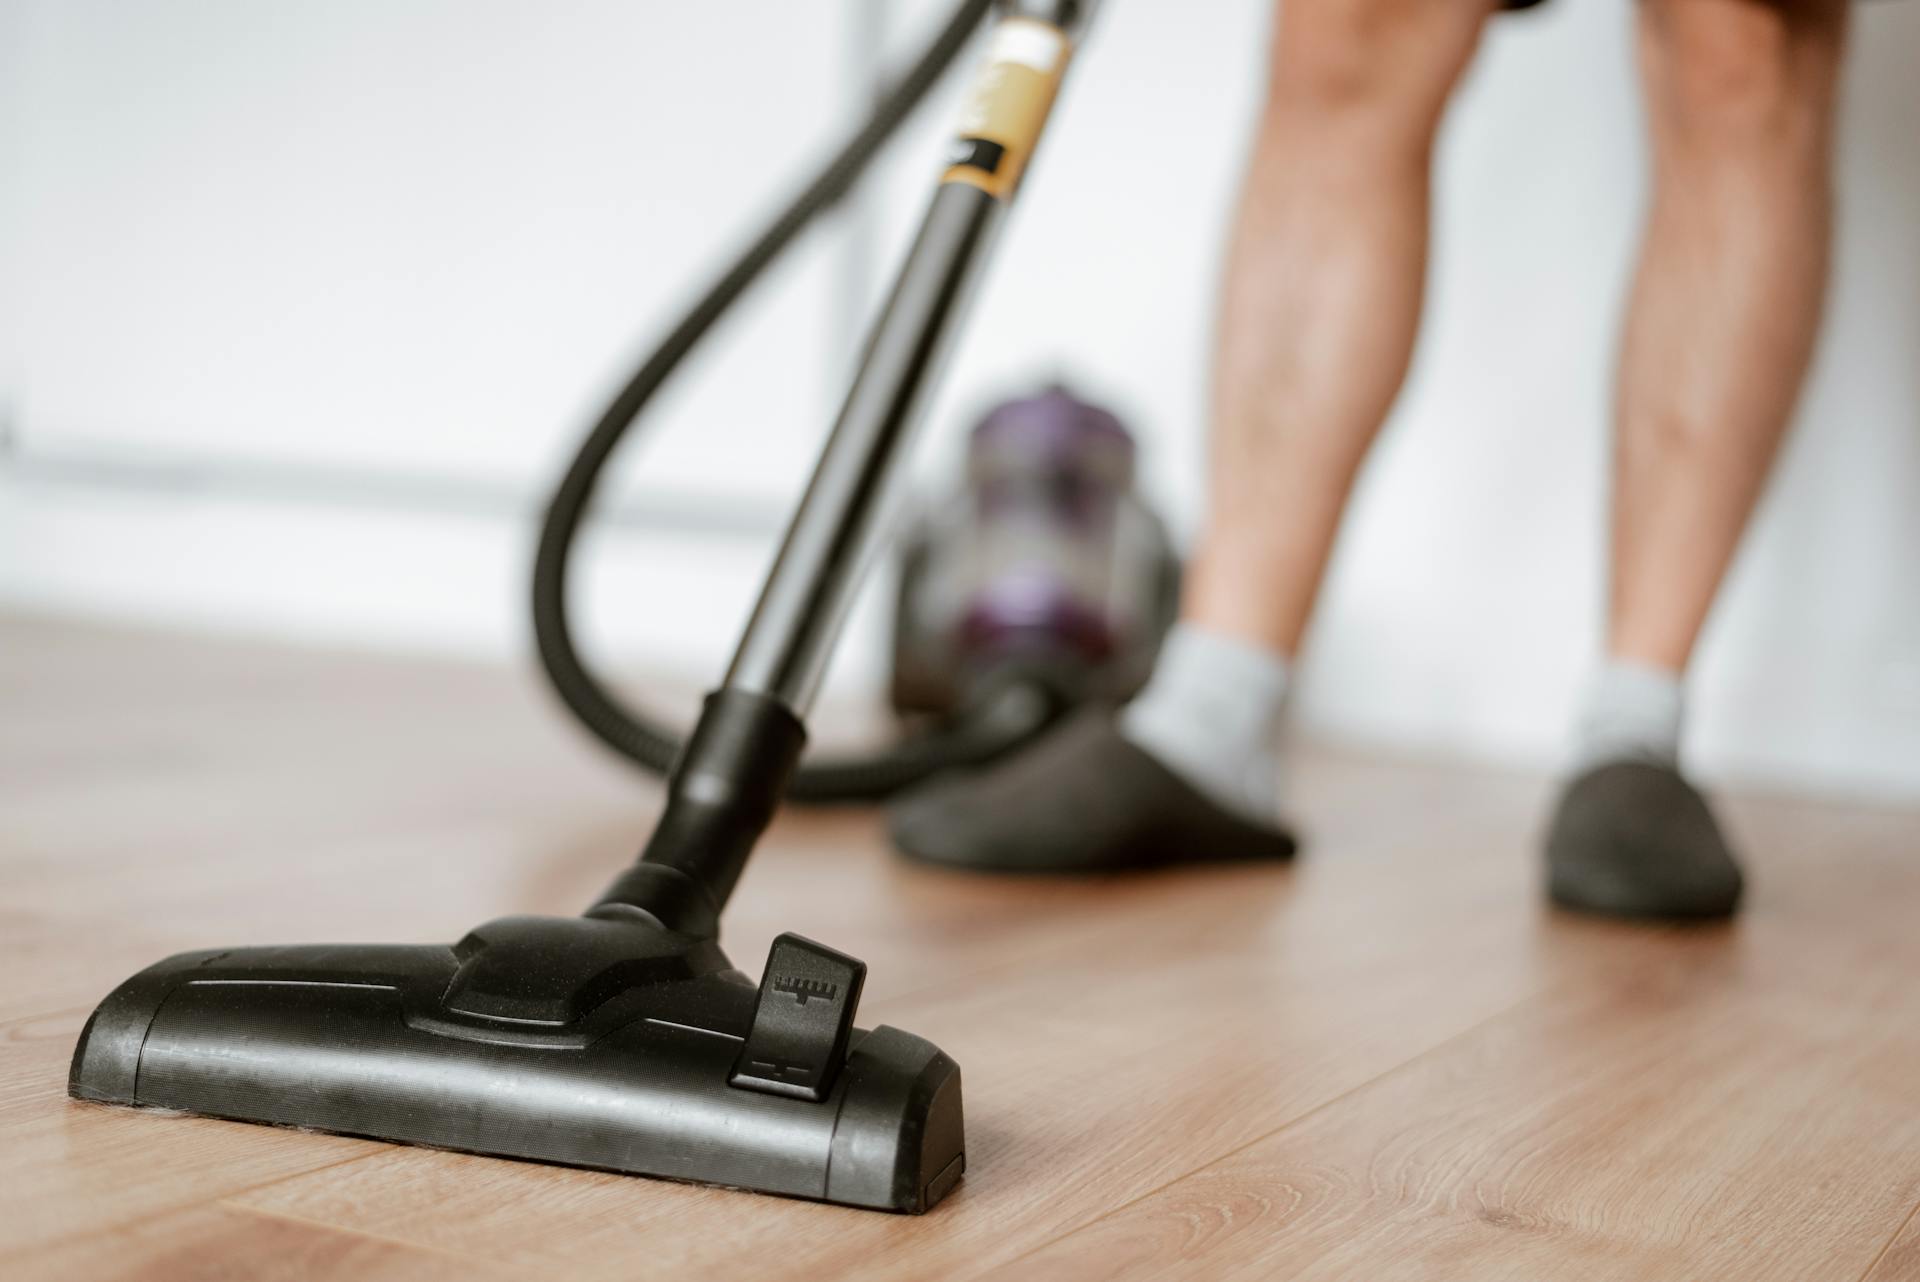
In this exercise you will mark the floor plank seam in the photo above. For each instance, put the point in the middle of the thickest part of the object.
(1887, 1247)
(136, 1221)
(35, 1017)
(1290, 1123)
(378, 1150)
(307, 1221)
(938, 987)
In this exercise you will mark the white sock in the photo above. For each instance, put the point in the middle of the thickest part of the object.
(1211, 714)
(1632, 712)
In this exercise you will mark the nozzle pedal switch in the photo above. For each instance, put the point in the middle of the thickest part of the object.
(802, 1022)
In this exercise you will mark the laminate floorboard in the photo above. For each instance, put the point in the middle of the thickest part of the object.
(1386, 1061)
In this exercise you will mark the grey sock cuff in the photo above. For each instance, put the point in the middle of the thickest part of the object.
(1632, 712)
(1212, 714)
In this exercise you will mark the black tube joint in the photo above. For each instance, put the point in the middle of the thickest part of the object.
(722, 795)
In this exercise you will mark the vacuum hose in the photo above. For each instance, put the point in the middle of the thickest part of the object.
(989, 730)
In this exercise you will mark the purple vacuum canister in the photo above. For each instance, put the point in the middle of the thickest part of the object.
(1046, 567)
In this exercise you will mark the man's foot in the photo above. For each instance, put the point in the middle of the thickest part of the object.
(1082, 799)
(1634, 839)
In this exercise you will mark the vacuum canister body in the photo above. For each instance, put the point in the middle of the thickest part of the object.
(1045, 569)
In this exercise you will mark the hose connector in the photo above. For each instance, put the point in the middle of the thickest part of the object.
(1071, 16)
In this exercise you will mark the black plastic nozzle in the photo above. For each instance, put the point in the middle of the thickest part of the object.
(589, 1042)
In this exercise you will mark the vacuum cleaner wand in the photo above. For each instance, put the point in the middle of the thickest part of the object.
(749, 736)
(624, 1039)
(993, 145)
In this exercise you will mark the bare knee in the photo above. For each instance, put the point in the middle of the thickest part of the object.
(1725, 72)
(1388, 61)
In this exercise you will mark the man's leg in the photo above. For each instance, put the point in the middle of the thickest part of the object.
(1719, 332)
(1321, 294)
(1320, 302)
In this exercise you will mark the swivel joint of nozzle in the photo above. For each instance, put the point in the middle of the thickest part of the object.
(722, 795)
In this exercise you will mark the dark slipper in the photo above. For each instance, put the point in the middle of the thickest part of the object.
(1080, 799)
(1634, 839)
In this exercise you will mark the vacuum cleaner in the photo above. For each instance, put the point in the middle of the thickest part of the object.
(624, 1039)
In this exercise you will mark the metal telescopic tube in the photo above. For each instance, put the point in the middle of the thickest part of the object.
(831, 538)
(735, 767)
(833, 534)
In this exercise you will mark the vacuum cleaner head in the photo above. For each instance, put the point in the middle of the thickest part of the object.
(600, 1041)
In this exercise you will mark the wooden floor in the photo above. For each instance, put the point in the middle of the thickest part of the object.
(1388, 1062)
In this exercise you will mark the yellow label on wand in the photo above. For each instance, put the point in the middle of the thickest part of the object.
(1008, 106)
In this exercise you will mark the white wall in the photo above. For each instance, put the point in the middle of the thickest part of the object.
(313, 301)
(304, 304)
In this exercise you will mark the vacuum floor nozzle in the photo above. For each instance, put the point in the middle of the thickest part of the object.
(607, 1042)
